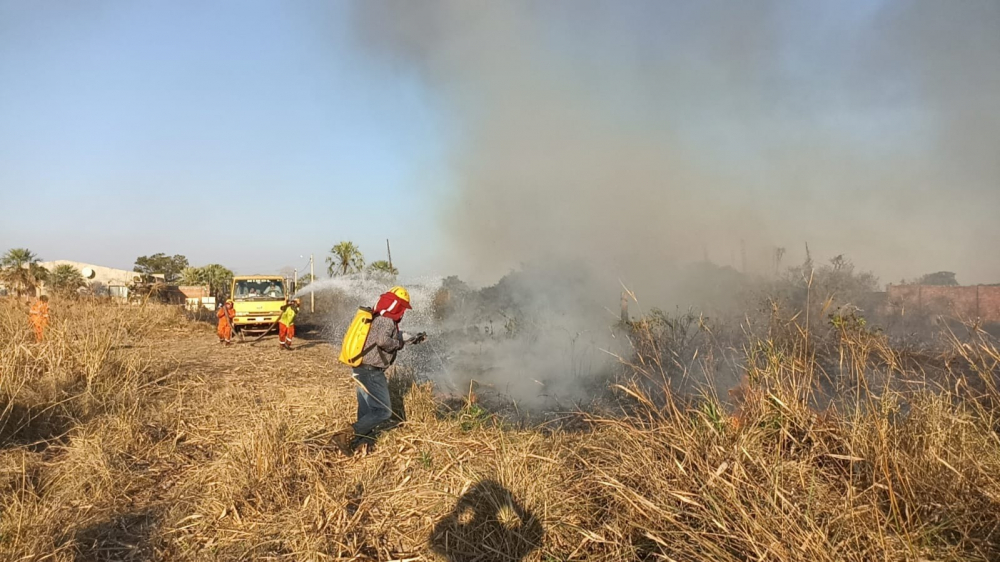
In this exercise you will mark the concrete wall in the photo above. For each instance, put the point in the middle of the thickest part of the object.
(197, 296)
(965, 303)
(193, 291)
(105, 275)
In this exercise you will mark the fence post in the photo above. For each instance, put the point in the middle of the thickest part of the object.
(978, 314)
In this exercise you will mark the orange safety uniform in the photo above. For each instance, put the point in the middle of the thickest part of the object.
(39, 318)
(286, 324)
(226, 315)
(285, 334)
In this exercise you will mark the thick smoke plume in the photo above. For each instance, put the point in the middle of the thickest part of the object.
(634, 137)
(537, 337)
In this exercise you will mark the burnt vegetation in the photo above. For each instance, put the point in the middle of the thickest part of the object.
(797, 426)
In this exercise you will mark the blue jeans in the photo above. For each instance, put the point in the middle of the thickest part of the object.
(374, 405)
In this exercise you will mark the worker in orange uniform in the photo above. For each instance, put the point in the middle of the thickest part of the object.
(226, 314)
(40, 317)
(286, 323)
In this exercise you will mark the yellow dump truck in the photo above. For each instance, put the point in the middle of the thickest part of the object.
(258, 300)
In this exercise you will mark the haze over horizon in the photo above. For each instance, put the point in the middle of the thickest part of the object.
(478, 136)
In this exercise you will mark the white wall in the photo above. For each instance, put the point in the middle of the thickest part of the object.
(103, 275)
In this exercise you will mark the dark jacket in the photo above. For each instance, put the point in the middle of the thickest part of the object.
(385, 339)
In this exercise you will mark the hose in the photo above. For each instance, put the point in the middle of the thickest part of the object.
(271, 327)
(266, 332)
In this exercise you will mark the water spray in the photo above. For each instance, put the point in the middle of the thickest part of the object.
(444, 367)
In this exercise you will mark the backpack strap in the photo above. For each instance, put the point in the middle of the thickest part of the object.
(364, 351)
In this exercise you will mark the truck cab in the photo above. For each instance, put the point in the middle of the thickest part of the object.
(257, 300)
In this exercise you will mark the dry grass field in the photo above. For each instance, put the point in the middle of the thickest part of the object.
(130, 434)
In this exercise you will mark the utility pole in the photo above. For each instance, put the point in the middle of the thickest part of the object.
(388, 251)
(312, 279)
(295, 280)
(743, 255)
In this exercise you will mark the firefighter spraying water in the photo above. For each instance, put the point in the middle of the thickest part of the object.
(370, 346)
(286, 323)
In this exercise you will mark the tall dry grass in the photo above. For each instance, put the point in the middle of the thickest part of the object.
(901, 466)
(86, 365)
(56, 398)
(841, 449)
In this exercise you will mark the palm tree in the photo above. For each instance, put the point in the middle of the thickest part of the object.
(345, 258)
(191, 276)
(66, 279)
(218, 277)
(20, 269)
(383, 267)
(303, 280)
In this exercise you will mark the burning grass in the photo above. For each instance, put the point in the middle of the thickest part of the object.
(127, 435)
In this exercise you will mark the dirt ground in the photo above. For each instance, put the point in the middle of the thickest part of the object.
(139, 438)
(231, 384)
(295, 400)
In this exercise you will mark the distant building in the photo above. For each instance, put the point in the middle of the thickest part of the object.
(197, 296)
(101, 280)
(973, 302)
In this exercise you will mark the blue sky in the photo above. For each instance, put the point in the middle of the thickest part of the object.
(242, 133)
(251, 133)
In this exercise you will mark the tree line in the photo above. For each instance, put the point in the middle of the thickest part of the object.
(177, 269)
(21, 271)
(346, 258)
(22, 274)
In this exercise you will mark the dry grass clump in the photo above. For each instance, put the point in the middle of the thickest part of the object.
(227, 459)
(83, 367)
(898, 464)
(278, 492)
(67, 417)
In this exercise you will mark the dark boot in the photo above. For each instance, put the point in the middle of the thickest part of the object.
(363, 445)
(343, 439)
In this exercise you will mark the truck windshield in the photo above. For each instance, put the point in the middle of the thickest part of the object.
(259, 289)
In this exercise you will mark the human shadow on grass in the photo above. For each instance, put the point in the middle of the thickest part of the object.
(488, 523)
(122, 537)
(34, 427)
